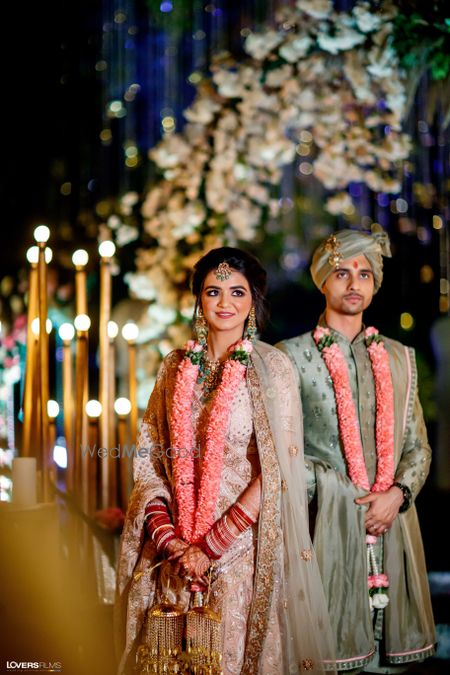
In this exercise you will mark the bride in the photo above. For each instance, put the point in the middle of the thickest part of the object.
(219, 489)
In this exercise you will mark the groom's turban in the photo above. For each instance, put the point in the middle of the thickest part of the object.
(346, 244)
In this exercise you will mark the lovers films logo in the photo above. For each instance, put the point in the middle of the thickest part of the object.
(34, 666)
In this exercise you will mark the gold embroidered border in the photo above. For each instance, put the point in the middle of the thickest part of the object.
(268, 543)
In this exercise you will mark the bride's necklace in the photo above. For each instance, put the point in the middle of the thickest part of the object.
(209, 375)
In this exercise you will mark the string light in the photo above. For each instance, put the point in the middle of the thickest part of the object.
(406, 321)
(306, 168)
(303, 149)
(106, 136)
(306, 136)
(444, 286)
(426, 274)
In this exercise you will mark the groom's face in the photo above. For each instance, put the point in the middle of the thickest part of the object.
(349, 289)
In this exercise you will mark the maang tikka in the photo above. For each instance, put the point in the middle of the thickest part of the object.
(223, 272)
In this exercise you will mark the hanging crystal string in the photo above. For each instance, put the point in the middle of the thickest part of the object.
(443, 164)
(199, 51)
(131, 88)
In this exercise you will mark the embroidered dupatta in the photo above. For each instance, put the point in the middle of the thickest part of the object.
(287, 580)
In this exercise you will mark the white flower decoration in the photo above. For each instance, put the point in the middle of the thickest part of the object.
(295, 48)
(319, 9)
(334, 75)
(140, 286)
(345, 38)
(340, 203)
(126, 234)
(366, 20)
(202, 111)
(259, 46)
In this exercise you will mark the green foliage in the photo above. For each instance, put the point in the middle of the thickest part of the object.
(422, 36)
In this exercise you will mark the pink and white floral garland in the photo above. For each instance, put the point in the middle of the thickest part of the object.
(346, 411)
(377, 582)
(196, 513)
(351, 436)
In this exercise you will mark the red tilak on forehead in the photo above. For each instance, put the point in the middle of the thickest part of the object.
(355, 265)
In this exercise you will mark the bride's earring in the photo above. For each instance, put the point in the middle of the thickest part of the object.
(200, 327)
(251, 329)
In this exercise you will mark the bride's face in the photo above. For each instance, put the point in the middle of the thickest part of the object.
(226, 304)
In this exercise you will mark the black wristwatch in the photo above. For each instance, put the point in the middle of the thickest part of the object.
(407, 497)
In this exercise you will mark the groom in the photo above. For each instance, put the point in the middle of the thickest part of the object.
(367, 457)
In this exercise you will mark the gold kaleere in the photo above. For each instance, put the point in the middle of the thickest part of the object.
(164, 640)
(203, 639)
(163, 635)
(176, 641)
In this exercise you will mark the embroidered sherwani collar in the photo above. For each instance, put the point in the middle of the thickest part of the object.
(340, 337)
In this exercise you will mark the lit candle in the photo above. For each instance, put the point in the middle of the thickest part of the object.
(41, 235)
(93, 411)
(122, 406)
(66, 333)
(130, 333)
(113, 331)
(52, 412)
(80, 260)
(24, 491)
(82, 324)
(29, 406)
(107, 475)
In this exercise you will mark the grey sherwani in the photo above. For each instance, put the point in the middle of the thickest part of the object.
(406, 632)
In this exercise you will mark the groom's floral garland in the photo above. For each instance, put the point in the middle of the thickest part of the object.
(346, 411)
(196, 512)
(351, 436)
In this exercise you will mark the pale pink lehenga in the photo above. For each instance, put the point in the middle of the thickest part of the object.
(270, 598)
(231, 593)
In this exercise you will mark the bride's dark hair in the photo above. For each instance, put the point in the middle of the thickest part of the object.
(243, 262)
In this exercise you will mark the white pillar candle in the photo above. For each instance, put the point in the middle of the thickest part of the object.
(24, 482)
